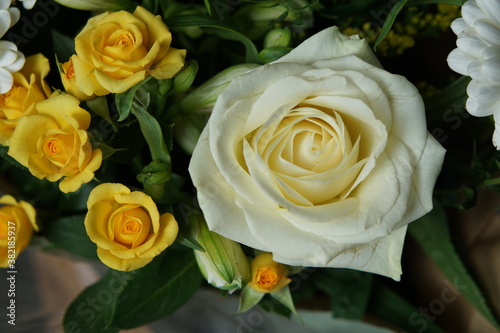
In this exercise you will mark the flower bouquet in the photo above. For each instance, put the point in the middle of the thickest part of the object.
(295, 156)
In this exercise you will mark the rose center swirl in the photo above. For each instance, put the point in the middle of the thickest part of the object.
(310, 155)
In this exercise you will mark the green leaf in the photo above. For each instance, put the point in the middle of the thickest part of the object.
(390, 21)
(152, 132)
(427, 2)
(349, 291)
(157, 290)
(391, 308)
(273, 53)
(64, 46)
(124, 300)
(150, 5)
(221, 29)
(452, 98)
(433, 235)
(94, 308)
(69, 233)
(124, 100)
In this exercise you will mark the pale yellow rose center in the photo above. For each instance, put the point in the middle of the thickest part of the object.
(131, 227)
(310, 155)
(266, 278)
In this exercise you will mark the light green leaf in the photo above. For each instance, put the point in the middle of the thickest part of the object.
(152, 132)
(433, 235)
(124, 100)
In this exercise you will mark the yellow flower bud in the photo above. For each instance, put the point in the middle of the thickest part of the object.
(267, 275)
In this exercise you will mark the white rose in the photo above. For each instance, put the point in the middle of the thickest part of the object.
(322, 158)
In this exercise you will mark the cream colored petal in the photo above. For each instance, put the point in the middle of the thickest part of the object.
(329, 44)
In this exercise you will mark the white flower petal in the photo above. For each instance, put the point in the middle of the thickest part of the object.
(6, 81)
(459, 61)
(488, 32)
(482, 93)
(4, 4)
(491, 51)
(17, 64)
(491, 8)
(15, 15)
(471, 13)
(471, 46)
(459, 26)
(330, 44)
(491, 69)
(4, 22)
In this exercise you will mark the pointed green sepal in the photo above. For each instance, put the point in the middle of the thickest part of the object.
(249, 297)
(284, 296)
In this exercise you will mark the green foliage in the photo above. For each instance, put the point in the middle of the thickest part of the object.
(124, 300)
(69, 233)
(348, 290)
(433, 235)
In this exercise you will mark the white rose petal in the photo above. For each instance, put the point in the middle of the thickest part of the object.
(322, 158)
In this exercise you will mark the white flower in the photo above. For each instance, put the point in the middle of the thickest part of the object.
(8, 16)
(478, 55)
(11, 61)
(322, 158)
(96, 5)
(28, 4)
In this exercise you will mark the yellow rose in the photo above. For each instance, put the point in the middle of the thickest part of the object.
(54, 143)
(28, 89)
(117, 50)
(17, 222)
(68, 79)
(267, 275)
(126, 226)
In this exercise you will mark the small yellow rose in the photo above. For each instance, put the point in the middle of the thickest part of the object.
(267, 275)
(17, 222)
(127, 227)
(116, 50)
(29, 88)
(54, 143)
(68, 79)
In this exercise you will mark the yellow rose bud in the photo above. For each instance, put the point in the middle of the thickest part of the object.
(267, 275)
(117, 50)
(29, 88)
(127, 227)
(69, 81)
(54, 143)
(17, 222)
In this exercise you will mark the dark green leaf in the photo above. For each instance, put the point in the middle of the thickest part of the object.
(69, 233)
(433, 235)
(158, 289)
(349, 291)
(93, 310)
(64, 46)
(221, 29)
(427, 2)
(151, 5)
(391, 308)
(273, 53)
(390, 21)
